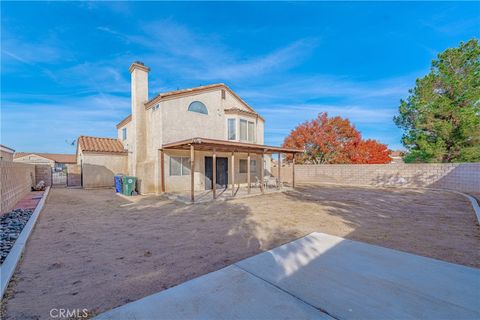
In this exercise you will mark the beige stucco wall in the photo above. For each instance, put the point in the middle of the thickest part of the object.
(179, 124)
(173, 122)
(98, 169)
(128, 144)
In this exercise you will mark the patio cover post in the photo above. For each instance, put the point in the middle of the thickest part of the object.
(214, 185)
(293, 171)
(261, 173)
(192, 168)
(233, 174)
(162, 170)
(279, 169)
(248, 172)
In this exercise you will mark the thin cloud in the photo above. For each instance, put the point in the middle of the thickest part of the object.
(357, 114)
(322, 86)
(47, 51)
(66, 118)
(175, 47)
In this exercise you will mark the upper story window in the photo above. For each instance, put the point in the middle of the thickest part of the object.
(247, 130)
(232, 129)
(197, 106)
(243, 130)
(251, 131)
(124, 134)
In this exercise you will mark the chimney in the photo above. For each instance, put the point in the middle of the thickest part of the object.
(139, 82)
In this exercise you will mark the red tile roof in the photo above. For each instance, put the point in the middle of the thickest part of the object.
(96, 144)
(57, 157)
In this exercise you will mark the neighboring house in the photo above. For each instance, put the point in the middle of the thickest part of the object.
(165, 133)
(397, 156)
(6, 153)
(57, 161)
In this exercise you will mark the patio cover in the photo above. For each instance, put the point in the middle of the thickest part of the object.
(213, 145)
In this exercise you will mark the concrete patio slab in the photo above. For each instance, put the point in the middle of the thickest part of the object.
(229, 293)
(354, 280)
(316, 277)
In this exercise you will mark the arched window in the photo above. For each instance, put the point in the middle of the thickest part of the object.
(197, 106)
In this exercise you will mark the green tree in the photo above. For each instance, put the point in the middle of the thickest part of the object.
(441, 116)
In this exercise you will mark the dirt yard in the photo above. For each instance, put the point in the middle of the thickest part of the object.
(96, 250)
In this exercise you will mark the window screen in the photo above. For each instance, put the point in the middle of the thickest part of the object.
(243, 130)
(251, 131)
(185, 166)
(232, 129)
(179, 166)
(124, 133)
(243, 166)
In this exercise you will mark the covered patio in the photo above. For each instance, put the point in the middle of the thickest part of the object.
(233, 148)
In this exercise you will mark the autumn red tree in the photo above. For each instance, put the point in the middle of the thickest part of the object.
(334, 140)
(371, 152)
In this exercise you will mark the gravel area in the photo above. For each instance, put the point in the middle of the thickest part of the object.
(93, 249)
(11, 225)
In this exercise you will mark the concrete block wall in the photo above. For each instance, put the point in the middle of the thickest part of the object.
(463, 177)
(16, 180)
(43, 172)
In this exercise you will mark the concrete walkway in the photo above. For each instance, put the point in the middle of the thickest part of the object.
(320, 277)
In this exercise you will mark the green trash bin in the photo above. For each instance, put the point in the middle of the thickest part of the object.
(129, 185)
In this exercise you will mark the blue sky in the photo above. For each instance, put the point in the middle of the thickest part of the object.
(64, 66)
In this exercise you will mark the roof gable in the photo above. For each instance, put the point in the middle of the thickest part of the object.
(183, 92)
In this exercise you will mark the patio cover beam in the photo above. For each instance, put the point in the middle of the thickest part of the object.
(203, 144)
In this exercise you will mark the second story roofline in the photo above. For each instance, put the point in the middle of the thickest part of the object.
(125, 120)
(149, 104)
(184, 92)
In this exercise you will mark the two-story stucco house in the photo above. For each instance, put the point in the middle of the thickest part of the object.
(183, 140)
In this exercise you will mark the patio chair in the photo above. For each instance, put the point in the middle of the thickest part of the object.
(270, 182)
(255, 184)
